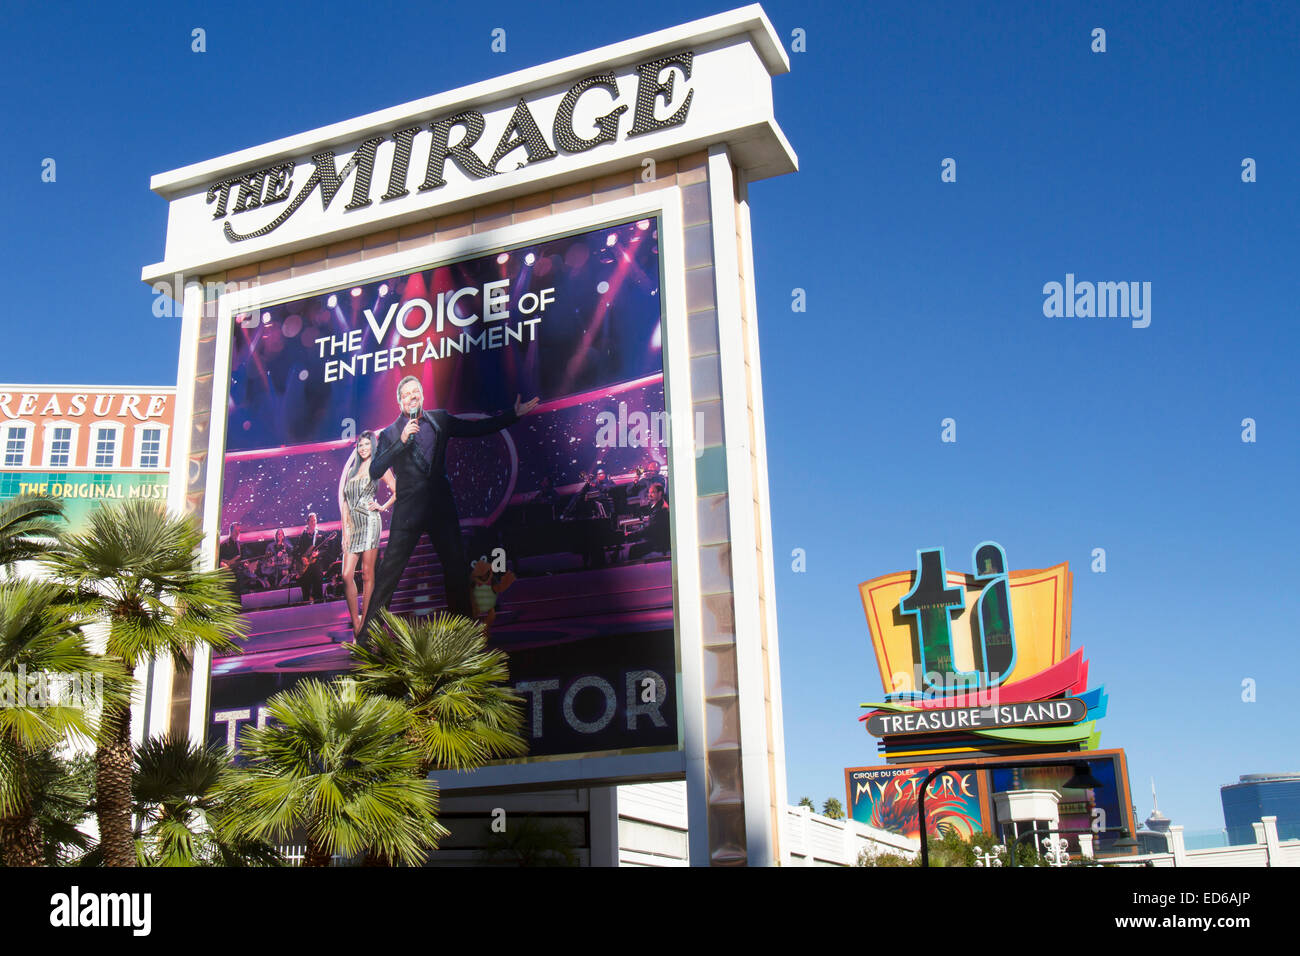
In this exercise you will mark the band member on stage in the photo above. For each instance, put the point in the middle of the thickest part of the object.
(594, 499)
(312, 545)
(361, 524)
(656, 536)
(276, 564)
(649, 476)
(231, 555)
(415, 448)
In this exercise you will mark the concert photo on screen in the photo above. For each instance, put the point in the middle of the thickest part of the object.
(457, 438)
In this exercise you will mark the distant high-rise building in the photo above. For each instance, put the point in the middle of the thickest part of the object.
(1259, 795)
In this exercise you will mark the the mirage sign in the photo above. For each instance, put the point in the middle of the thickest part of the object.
(458, 139)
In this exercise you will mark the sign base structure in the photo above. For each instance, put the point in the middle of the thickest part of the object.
(967, 801)
(499, 345)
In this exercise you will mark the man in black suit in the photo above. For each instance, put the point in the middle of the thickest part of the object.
(415, 448)
(641, 487)
(656, 536)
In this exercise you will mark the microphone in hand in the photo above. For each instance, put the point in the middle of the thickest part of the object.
(412, 426)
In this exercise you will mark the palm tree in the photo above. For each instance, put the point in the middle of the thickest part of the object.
(49, 685)
(62, 797)
(334, 764)
(456, 687)
(179, 806)
(134, 570)
(30, 526)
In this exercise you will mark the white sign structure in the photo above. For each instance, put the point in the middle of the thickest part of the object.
(668, 127)
(655, 97)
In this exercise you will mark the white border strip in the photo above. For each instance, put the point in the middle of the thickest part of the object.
(740, 506)
(775, 713)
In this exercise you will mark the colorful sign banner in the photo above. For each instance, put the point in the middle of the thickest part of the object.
(1040, 613)
(1064, 711)
(82, 492)
(886, 798)
(1105, 809)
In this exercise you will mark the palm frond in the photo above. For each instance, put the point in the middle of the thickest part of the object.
(454, 684)
(135, 568)
(335, 765)
(51, 685)
(58, 793)
(177, 798)
(30, 527)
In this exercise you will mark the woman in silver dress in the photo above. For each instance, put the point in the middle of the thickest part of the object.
(361, 524)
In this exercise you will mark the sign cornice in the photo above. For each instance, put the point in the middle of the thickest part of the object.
(749, 20)
(663, 95)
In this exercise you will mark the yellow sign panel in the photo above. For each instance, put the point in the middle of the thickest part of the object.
(1040, 611)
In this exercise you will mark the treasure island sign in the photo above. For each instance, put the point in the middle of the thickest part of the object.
(977, 663)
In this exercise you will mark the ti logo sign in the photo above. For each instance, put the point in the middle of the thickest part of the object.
(939, 632)
(931, 603)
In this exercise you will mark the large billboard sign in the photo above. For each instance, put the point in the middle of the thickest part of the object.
(561, 258)
(391, 425)
(1103, 810)
(886, 798)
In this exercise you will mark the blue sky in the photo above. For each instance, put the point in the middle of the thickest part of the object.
(924, 301)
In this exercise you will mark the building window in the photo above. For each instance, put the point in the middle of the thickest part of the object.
(61, 448)
(105, 448)
(151, 448)
(16, 447)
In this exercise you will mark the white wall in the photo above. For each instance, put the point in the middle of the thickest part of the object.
(1268, 851)
(652, 832)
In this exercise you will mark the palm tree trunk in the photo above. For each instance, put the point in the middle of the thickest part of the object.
(20, 835)
(316, 854)
(113, 760)
(20, 840)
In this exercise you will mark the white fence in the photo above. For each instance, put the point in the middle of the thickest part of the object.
(1267, 850)
(815, 840)
(294, 855)
(652, 830)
